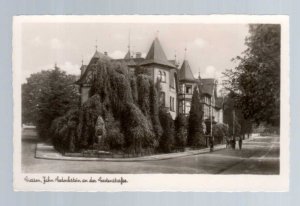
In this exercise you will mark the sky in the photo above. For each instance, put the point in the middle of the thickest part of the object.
(209, 47)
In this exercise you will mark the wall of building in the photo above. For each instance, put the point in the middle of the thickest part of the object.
(167, 89)
(185, 97)
(84, 93)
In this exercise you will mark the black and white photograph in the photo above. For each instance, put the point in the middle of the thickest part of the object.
(170, 103)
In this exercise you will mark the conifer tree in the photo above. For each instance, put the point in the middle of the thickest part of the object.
(166, 141)
(195, 130)
(181, 130)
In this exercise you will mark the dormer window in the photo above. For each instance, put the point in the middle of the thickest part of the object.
(188, 89)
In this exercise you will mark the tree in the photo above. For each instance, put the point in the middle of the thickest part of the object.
(255, 82)
(166, 141)
(46, 96)
(117, 96)
(181, 130)
(31, 94)
(220, 131)
(233, 116)
(195, 130)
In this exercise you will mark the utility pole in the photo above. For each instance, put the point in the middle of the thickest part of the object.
(233, 123)
(211, 116)
(211, 108)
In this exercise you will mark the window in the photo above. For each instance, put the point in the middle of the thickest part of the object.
(172, 107)
(180, 107)
(163, 77)
(174, 80)
(159, 75)
(206, 111)
(181, 88)
(188, 89)
(187, 107)
(162, 99)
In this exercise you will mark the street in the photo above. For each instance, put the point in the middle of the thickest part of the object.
(258, 156)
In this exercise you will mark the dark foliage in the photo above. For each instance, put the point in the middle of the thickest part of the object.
(195, 128)
(220, 131)
(233, 116)
(181, 131)
(129, 107)
(46, 96)
(154, 110)
(137, 129)
(64, 132)
(255, 82)
(88, 115)
(166, 142)
(115, 139)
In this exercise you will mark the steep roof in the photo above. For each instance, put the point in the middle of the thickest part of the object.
(96, 57)
(208, 86)
(130, 62)
(185, 72)
(156, 55)
(128, 55)
(83, 68)
(219, 102)
(99, 55)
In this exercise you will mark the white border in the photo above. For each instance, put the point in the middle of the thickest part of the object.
(160, 182)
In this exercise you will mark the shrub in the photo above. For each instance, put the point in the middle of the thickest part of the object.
(181, 131)
(137, 129)
(143, 84)
(88, 115)
(166, 141)
(195, 130)
(64, 133)
(220, 131)
(129, 108)
(114, 139)
(120, 93)
(133, 85)
(154, 110)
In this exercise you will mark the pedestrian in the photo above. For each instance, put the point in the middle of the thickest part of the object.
(240, 142)
(227, 142)
(211, 143)
(233, 142)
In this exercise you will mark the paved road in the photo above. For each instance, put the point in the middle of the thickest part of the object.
(259, 156)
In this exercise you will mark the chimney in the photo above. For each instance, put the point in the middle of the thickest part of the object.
(138, 55)
(105, 53)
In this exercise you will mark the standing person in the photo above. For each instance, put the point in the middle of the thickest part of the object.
(240, 142)
(233, 142)
(227, 142)
(211, 143)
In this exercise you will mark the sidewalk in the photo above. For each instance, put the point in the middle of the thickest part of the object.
(44, 151)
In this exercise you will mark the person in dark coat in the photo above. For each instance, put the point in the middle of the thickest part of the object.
(211, 143)
(240, 142)
(232, 141)
(227, 142)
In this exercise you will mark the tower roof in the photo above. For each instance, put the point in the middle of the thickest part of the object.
(96, 57)
(128, 55)
(185, 72)
(156, 55)
(208, 86)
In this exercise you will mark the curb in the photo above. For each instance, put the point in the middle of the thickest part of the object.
(47, 152)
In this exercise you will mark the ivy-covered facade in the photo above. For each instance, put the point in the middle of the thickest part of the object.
(177, 82)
